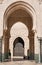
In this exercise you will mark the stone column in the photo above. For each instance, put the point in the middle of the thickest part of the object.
(26, 47)
(25, 51)
(3, 49)
(31, 44)
(39, 52)
(11, 47)
(40, 56)
(36, 48)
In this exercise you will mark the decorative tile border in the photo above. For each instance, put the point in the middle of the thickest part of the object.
(36, 57)
(3, 57)
(41, 58)
(0, 56)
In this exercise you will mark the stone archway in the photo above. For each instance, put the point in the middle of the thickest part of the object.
(19, 11)
(19, 30)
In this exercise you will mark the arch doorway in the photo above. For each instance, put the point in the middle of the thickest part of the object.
(19, 11)
(18, 47)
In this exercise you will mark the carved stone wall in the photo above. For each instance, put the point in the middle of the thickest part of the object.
(1, 1)
(40, 1)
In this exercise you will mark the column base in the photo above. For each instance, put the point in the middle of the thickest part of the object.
(0, 57)
(41, 58)
(36, 57)
(3, 58)
(26, 57)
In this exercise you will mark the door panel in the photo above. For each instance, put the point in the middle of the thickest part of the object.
(18, 50)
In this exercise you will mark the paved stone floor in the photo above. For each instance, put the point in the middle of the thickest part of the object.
(25, 62)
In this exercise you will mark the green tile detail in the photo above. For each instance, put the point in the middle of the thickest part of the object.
(6, 55)
(41, 58)
(3, 57)
(31, 56)
(36, 57)
(0, 57)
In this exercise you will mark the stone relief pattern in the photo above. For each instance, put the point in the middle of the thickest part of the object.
(1, 1)
(40, 1)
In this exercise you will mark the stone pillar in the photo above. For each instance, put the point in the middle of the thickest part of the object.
(11, 47)
(25, 51)
(39, 52)
(3, 49)
(26, 46)
(36, 48)
(6, 37)
(40, 49)
(31, 44)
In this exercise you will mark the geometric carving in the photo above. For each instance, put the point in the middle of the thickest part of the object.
(40, 1)
(1, 1)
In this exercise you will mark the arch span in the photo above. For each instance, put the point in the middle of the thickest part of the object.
(20, 5)
(19, 11)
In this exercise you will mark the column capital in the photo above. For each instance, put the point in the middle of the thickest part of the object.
(34, 30)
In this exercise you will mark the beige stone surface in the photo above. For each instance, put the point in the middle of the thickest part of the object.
(26, 62)
(18, 63)
(37, 26)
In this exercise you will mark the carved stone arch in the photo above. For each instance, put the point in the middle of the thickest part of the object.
(20, 5)
(27, 10)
